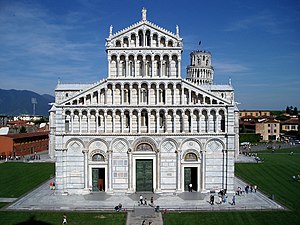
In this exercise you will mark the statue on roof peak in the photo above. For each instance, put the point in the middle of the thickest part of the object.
(110, 30)
(144, 14)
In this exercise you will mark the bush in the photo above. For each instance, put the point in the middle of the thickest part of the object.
(252, 138)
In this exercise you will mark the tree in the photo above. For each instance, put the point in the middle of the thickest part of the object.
(287, 110)
(295, 112)
(23, 130)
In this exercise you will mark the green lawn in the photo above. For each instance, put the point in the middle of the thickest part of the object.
(272, 177)
(52, 218)
(20, 178)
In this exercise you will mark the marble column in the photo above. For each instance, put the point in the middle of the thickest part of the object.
(178, 159)
(86, 172)
(130, 168)
(97, 122)
(110, 189)
(203, 174)
(158, 181)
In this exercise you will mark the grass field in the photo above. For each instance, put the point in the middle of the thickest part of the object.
(272, 177)
(19, 178)
(52, 218)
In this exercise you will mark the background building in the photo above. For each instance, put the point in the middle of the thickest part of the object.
(269, 129)
(13, 145)
(254, 113)
(144, 128)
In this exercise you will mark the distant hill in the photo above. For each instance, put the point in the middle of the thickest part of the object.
(16, 102)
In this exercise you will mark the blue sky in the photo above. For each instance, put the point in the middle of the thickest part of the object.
(256, 43)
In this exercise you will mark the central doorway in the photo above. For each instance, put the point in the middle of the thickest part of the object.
(98, 179)
(190, 177)
(144, 175)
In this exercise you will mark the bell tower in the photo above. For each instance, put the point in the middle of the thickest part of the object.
(200, 70)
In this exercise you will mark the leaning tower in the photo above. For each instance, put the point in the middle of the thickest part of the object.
(200, 70)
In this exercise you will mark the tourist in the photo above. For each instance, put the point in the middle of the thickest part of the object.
(118, 208)
(220, 199)
(190, 187)
(233, 200)
(247, 189)
(212, 199)
(141, 199)
(151, 202)
(144, 222)
(255, 188)
(64, 219)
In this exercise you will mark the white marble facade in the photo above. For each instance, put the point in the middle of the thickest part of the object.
(145, 110)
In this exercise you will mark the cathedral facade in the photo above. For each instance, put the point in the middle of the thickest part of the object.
(144, 128)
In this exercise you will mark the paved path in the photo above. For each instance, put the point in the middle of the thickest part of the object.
(146, 213)
(43, 198)
(8, 199)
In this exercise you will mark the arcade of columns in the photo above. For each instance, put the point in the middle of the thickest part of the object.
(160, 113)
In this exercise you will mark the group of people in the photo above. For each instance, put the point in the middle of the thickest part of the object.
(144, 223)
(222, 196)
(143, 201)
(52, 185)
(294, 178)
(118, 208)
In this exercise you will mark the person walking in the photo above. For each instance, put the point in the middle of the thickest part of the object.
(141, 199)
(190, 187)
(151, 202)
(233, 200)
(255, 188)
(212, 199)
(64, 219)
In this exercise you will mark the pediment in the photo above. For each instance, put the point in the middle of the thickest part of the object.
(101, 95)
(198, 90)
(86, 95)
(144, 25)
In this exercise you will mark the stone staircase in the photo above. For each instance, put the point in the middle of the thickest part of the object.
(146, 213)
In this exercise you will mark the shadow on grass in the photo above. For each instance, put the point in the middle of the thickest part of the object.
(32, 221)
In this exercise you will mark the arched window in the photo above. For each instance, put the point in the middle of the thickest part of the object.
(98, 157)
(141, 38)
(118, 43)
(222, 114)
(144, 147)
(144, 118)
(144, 96)
(190, 157)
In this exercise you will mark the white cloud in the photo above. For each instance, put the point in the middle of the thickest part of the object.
(225, 67)
(36, 44)
(264, 20)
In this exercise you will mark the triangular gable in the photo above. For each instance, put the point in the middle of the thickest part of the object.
(85, 92)
(199, 90)
(144, 24)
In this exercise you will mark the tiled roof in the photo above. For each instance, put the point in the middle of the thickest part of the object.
(24, 135)
(291, 121)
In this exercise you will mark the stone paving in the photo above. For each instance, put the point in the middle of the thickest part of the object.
(43, 198)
